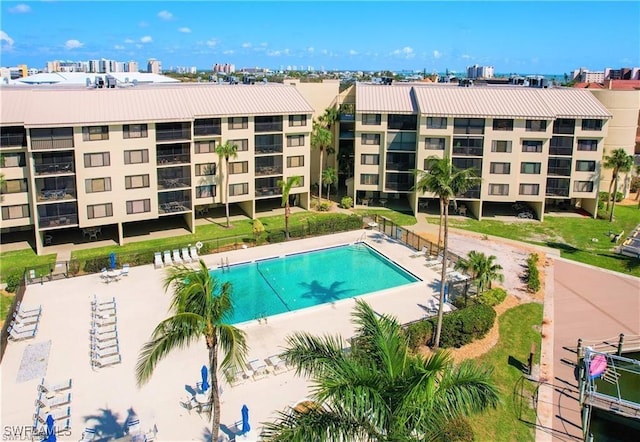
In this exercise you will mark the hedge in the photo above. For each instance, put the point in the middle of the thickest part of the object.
(419, 334)
(458, 430)
(532, 276)
(465, 325)
(492, 296)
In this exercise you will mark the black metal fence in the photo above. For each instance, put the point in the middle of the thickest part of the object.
(4, 336)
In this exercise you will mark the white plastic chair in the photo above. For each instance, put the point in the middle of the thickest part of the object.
(157, 260)
(185, 255)
(176, 257)
(194, 253)
(167, 258)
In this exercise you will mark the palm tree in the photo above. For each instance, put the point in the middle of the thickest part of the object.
(286, 189)
(445, 180)
(621, 162)
(379, 390)
(199, 306)
(226, 151)
(482, 268)
(330, 177)
(321, 139)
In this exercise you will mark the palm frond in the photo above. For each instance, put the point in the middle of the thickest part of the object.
(310, 355)
(232, 342)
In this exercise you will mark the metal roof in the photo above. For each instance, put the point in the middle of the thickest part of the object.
(385, 98)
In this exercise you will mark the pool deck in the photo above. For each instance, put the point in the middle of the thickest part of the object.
(104, 398)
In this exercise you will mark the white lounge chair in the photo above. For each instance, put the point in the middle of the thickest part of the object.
(277, 363)
(104, 339)
(167, 258)
(26, 319)
(54, 388)
(185, 255)
(157, 260)
(235, 376)
(26, 311)
(194, 254)
(419, 253)
(88, 435)
(105, 362)
(99, 354)
(125, 270)
(16, 335)
(59, 414)
(133, 426)
(56, 401)
(176, 256)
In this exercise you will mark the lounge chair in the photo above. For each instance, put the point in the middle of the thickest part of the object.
(104, 353)
(157, 260)
(185, 255)
(176, 256)
(277, 363)
(24, 311)
(88, 435)
(105, 344)
(105, 362)
(259, 369)
(133, 426)
(25, 320)
(235, 376)
(419, 253)
(125, 270)
(99, 331)
(57, 415)
(16, 335)
(52, 389)
(167, 258)
(104, 321)
(56, 401)
(102, 340)
(194, 253)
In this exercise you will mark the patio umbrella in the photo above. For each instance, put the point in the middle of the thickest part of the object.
(112, 260)
(245, 420)
(51, 433)
(205, 378)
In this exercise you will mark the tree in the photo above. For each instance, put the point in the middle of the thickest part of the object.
(286, 189)
(258, 230)
(330, 177)
(226, 151)
(446, 181)
(482, 268)
(621, 162)
(199, 306)
(379, 390)
(321, 139)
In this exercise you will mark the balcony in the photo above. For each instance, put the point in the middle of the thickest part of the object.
(56, 168)
(55, 189)
(268, 170)
(171, 159)
(559, 150)
(473, 193)
(557, 187)
(268, 127)
(268, 191)
(471, 151)
(13, 139)
(46, 143)
(347, 117)
(58, 220)
(174, 207)
(57, 215)
(559, 171)
(173, 183)
(207, 127)
(348, 134)
(265, 149)
(172, 134)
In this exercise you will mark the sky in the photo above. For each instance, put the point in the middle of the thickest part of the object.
(543, 37)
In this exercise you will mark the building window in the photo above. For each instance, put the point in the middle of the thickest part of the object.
(370, 139)
(242, 145)
(300, 182)
(531, 146)
(473, 126)
(501, 146)
(499, 189)
(238, 189)
(136, 181)
(97, 159)
(206, 127)
(13, 160)
(205, 169)
(530, 168)
(136, 156)
(502, 124)
(434, 143)
(15, 212)
(297, 120)
(585, 166)
(14, 186)
(205, 146)
(529, 189)
(589, 124)
(134, 131)
(238, 123)
(369, 179)
(436, 122)
(583, 186)
(297, 161)
(565, 126)
(138, 206)
(95, 133)
(370, 159)
(295, 140)
(237, 167)
(588, 145)
(100, 210)
(536, 125)
(402, 122)
(371, 119)
(401, 141)
(207, 191)
(93, 185)
(500, 168)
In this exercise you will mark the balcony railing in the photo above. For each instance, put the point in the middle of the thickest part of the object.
(54, 168)
(559, 171)
(557, 191)
(473, 193)
(172, 134)
(347, 117)
(51, 143)
(56, 194)
(174, 207)
(174, 183)
(268, 191)
(200, 131)
(470, 151)
(268, 170)
(173, 159)
(58, 220)
(268, 148)
(268, 127)
(347, 134)
(560, 150)
(13, 140)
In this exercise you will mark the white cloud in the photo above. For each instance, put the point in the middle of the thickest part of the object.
(310, 49)
(228, 52)
(119, 47)
(353, 52)
(184, 30)
(165, 15)
(274, 53)
(146, 39)
(73, 44)
(437, 53)
(129, 41)
(246, 45)
(406, 52)
(212, 43)
(465, 56)
(20, 9)
(4, 38)
(324, 52)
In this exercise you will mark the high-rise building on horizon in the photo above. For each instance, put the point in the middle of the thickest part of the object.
(477, 71)
(154, 66)
(224, 68)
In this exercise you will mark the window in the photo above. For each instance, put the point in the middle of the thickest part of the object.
(502, 124)
(136, 181)
(14, 186)
(536, 125)
(13, 160)
(238, 189)
(564, 126)
(401, 141)
(468, 126)
(531, 146)
(136, 156)
(297, 120)
(498, 189)
(238, 123)
(402, 122)
(529, 189)
(500, 168)
(134, 131)
(300, 182)
(94, 133)
(238, 167)
(205, 146)
(371, 119)
(93, 185)
(297, 161)
(589, 124)
(369, 179)
(97, 159)
(436, 122)
(138, 206)
(205, 169)
(559, 166)
(205, 191)
(370, 139)
(468, 146)
(585, 166)
(501, 146)
(99, 210)
(434, 143)
(370, 159)
(295, 140)
(530, 168)
(588, 145)
(243, 145)
(206, 127)
(561, 145)
(268, 123)
(583, 186)
(15, 212)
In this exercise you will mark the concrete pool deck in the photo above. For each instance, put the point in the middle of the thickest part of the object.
(104, 398)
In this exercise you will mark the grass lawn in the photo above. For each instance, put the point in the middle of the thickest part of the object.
(400, 218)
(572, 236)
(19, 260)
(5, 302)
(512, 420)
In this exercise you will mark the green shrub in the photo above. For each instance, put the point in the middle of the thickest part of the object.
(604, 197)
(492, 297)
(346, 202)
(324, 206)
(258, 231)
(465, 325)
(94, 265)
(532, 275)
(458, 430)
(419, 334)
(74, 267)
(13, 281)
(276, 236)
(635, 184)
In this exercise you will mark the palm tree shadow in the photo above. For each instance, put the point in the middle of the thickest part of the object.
(323, 294)
(230, 434)
(108, 425)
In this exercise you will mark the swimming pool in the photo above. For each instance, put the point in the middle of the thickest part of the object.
(296, 281)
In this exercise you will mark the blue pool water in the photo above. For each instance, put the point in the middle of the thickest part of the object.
(296, 281)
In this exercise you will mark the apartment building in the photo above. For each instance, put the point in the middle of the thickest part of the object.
(539, 146)
(75, 158)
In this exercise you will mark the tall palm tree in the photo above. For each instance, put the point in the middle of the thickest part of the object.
(199, 306)
(321, 139)
(378, 391)
(227, 151)
(621, 162)
(446, 181)
(330, 177)
(483, 269)
(286, 189)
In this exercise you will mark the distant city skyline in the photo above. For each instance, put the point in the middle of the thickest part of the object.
(524, 37)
